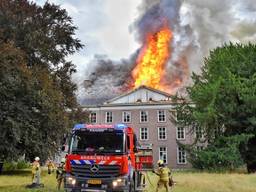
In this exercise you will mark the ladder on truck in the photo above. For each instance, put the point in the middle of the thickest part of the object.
(143, 163)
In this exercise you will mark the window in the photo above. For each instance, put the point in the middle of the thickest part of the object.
(163, 154)
(126, 117)
(143, 116)
(162, 133)
(109, 117)
(161, 116)
(93, 118)
(199, 133)
(180, 133)
(144, 133)
(181, 156)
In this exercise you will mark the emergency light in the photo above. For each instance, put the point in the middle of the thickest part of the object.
(99, 126)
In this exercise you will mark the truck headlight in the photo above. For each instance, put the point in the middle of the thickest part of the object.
(71, 181)
(119, 182)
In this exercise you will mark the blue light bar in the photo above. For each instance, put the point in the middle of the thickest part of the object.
(120, 126)
(79, 126)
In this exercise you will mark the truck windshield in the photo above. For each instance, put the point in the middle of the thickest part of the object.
(87, 142)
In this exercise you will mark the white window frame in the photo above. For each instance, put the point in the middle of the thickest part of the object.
(178, 157)
(123, 116)
(165, 132)
(145, 130)
(106, 117)
(141, 116)
(165, 153)
(93, 112)
(177, 133)
(158, 115)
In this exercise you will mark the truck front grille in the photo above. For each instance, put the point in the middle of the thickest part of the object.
(104, 171)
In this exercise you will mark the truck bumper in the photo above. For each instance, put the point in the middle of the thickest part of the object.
(103, 185)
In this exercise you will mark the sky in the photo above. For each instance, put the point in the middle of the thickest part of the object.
(103, 27)
(112, 27)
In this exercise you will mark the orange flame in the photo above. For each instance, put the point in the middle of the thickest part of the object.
(152, 60)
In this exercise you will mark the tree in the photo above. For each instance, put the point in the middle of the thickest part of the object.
(46, 36)
(223, 98)
(35, 78)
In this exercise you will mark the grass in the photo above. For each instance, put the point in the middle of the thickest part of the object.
(209, 182)
(185, 182)
(17, 181)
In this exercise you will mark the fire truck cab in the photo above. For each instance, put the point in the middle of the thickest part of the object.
(103, 158)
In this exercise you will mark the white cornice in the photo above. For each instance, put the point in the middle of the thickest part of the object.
(130, 107)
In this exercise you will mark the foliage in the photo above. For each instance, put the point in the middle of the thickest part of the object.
(12, 165)
(35, 78)
(221, 155)
(9, 166)
(22, 164)
(223, 98)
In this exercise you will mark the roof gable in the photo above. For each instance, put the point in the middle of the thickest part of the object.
(140, 94)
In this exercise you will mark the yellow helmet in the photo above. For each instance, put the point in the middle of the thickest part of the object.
(63, 160)
(160, 162)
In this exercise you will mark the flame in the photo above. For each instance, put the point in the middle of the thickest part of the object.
(152, 60)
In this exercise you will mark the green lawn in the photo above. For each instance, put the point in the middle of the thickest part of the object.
(185, 182)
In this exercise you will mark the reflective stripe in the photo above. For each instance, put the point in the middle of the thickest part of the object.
(77, 162)
(82, 162)
(87, 162)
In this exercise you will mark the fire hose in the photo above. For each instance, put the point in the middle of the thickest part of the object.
(148, 178)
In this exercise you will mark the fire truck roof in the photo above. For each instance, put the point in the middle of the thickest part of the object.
(100, 126)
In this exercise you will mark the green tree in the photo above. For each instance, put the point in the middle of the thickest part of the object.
(35, 78)
(46, 36)
(223, 98)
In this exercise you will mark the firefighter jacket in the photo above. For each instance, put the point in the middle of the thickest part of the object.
(36, 167)
(50, 165)
(163, 173)
(60, 171)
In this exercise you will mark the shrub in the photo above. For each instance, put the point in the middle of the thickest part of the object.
(9, 166)
(222, 155)
(22, 164)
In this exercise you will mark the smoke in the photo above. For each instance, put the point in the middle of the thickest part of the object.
(108, 79)
(198, 26)
(214, 23)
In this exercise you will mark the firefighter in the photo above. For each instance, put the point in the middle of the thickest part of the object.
(164, 174)
(60, 173)
(36, 172)
(50, 166)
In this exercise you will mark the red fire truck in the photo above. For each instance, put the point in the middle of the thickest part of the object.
(105, 158)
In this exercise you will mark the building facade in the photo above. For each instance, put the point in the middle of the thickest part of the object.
(151, 113)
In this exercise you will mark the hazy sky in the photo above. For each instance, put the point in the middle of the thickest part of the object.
(103, 27)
